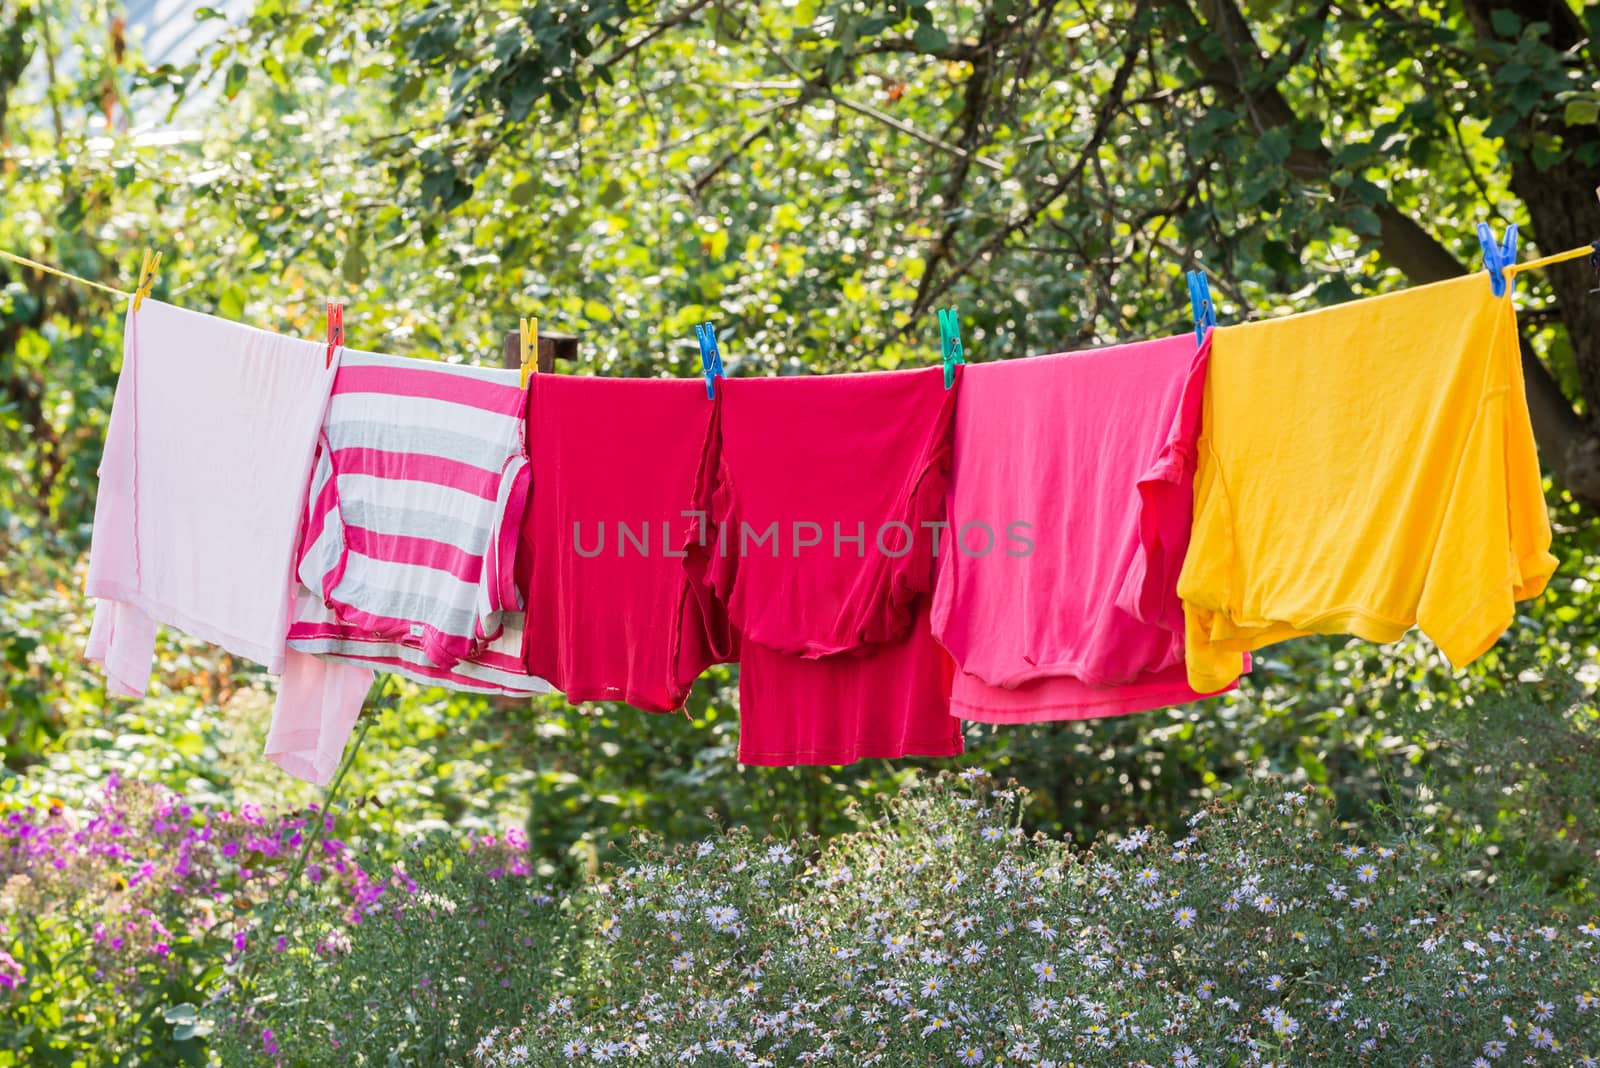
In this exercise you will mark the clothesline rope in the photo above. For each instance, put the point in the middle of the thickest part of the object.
(1544, 261)
(45, 267)
(1559, 257)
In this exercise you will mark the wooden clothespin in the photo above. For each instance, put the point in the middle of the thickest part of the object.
(528, 334)
(335, 330)
(147, 277)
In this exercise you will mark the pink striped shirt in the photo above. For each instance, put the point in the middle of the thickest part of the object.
(411, 522)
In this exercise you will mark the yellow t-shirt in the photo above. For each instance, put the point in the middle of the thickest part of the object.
(1362, 469)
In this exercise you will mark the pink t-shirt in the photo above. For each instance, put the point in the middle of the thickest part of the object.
(1044, 512)
(206, 457)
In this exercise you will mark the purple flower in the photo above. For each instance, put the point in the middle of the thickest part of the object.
(11, 973)
(269, 1042)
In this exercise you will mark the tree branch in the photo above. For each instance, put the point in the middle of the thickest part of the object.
(1565, 442)
(1109, 109)
(975, 95)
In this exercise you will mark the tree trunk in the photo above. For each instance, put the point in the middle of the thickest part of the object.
(1568, 443)
(1563, 209)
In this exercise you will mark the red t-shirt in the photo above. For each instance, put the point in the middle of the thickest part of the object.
(823, 494)
(611, 612)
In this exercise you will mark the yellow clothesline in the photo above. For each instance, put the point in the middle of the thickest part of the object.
(1559, 257)
(45, 267)
(1546, 261)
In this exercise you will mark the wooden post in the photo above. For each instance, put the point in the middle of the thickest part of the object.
(552, 347)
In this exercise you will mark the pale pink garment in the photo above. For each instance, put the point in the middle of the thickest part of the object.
(318, 704)
(207, 455)
(1044, 513)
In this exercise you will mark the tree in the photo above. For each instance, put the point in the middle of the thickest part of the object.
(1052, 169)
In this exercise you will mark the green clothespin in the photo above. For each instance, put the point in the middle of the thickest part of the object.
(950, 344)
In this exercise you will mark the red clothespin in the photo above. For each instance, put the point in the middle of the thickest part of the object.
(335, 329)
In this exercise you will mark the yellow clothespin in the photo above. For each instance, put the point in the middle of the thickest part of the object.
(147, 277)
(529, 334)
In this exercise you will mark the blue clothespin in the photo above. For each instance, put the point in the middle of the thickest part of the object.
(950, 344)
(710, 356)
(1205, 313)
(1498, 257)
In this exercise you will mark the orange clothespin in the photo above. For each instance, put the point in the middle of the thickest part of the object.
(529, 335)
(335, 329)
(147, 277)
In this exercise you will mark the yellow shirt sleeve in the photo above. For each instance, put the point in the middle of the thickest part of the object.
(1493, 548)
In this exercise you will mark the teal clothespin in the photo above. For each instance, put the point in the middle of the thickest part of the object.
(1498, 257)
(1205, 312)
(950, 344)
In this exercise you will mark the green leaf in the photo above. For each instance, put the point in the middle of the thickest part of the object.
(1501, 124)
(523, 192)
(805, 12)
(237, 74)
(1546, 156)
(1505, 22)
(1581, 112)
(1368, 192)
(929, 38)
(1512, 73)
(1279, 257)
(1363, 220)
(1275, 145)
(835, 65)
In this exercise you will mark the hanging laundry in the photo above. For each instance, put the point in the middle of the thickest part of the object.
(1044, 531)
(1363, 469)
(414, 504)
(211, 436)
(407, 547)
(495, 668)
(881, 701)
(612, 613)
(822, 513)
(319, 701)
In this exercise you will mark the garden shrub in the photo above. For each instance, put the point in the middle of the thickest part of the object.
(113, 919)
(463, 940)
(943, 936)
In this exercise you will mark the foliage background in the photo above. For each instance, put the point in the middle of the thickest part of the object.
(815, 177)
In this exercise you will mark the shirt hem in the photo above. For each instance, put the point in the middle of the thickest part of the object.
(1066, 711)
(166, 615)
(838, 758)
